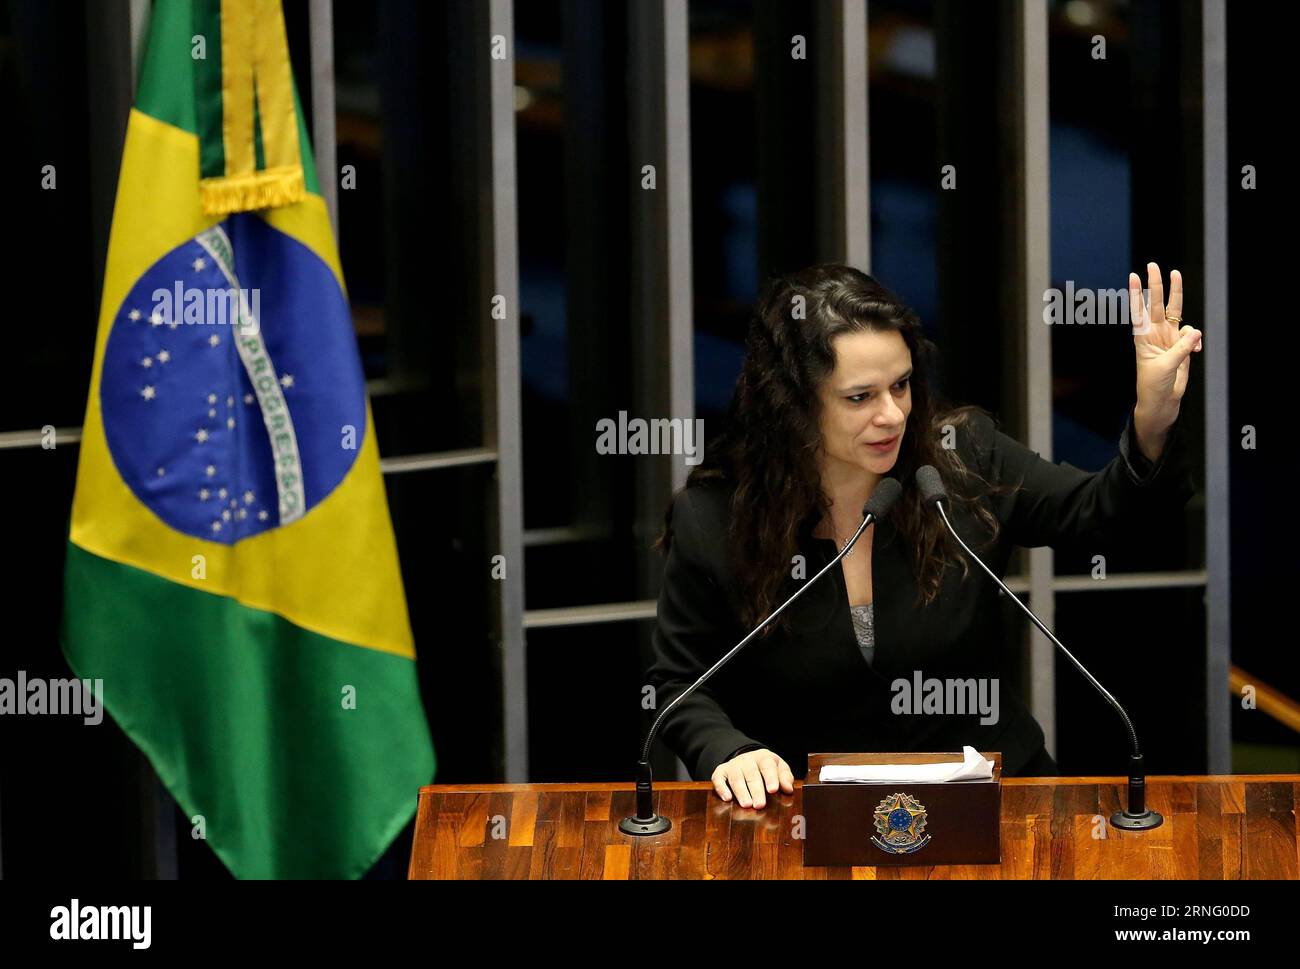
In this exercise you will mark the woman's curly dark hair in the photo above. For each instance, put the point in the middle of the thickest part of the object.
(768, 448)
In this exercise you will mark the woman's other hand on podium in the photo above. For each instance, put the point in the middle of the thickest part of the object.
(752, 776)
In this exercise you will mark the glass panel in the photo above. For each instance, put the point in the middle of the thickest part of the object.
(407, 144)
(579, 676)
(575, 184)
(1146, 647)
(724, 196)
(1265, 570)
(1114, 204)
(57, 205)
(439, 518)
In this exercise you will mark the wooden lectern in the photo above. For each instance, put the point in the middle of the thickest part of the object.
(895, 823)
(1216, 827)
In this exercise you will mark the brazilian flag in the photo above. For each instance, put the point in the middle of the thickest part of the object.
(232, 574)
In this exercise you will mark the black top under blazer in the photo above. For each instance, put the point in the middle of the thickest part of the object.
(811, 690)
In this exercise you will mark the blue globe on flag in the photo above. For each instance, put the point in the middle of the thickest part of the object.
(228, 408)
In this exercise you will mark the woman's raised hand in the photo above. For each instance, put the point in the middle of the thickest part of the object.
(752, 776)
(1164, 348)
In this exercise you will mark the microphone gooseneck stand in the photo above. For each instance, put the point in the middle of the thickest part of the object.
(1137, 817)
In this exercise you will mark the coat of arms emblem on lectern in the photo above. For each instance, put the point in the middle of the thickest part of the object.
(900, 825)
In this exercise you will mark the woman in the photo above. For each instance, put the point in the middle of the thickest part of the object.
(833, 396)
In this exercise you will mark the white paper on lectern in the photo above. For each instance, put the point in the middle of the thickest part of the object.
(973, 767)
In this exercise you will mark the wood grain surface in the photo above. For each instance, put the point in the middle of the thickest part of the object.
(1216, 827)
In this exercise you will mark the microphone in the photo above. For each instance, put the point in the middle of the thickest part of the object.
(646, 822)
(1137, 817)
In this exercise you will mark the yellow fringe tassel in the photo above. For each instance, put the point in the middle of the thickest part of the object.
(265, 189)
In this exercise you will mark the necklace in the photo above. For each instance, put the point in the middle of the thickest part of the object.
(842, 542)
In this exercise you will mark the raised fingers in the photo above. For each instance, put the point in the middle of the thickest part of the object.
(1175, 307)
(1156, 288)
(1137, 311)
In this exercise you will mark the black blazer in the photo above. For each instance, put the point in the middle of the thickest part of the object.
(812, 690)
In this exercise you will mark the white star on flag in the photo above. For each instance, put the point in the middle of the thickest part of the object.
(147, 393)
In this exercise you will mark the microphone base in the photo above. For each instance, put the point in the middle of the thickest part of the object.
(656, 825)
(1136, 822)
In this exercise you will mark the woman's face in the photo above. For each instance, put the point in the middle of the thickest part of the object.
(866, 400)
